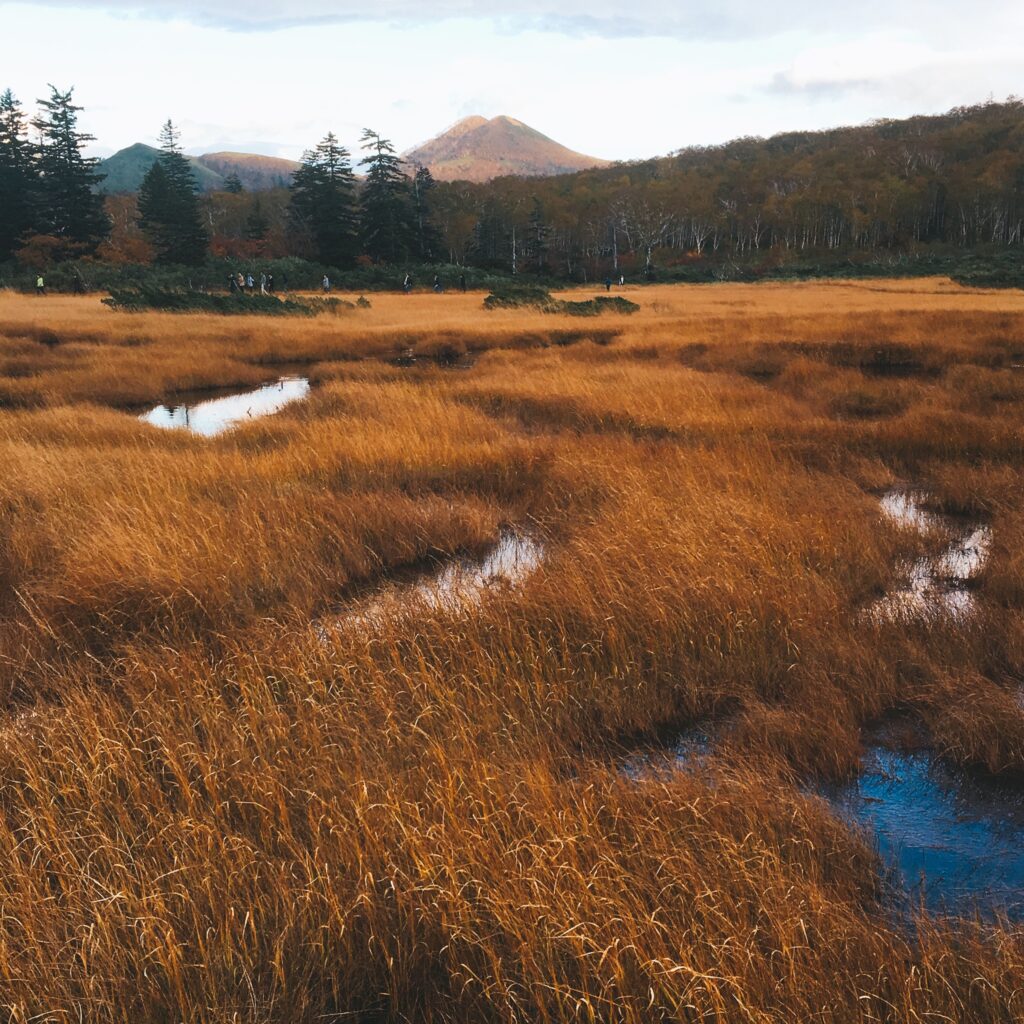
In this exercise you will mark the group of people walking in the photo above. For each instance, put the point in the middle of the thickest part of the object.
(438, 286)
(246, 284)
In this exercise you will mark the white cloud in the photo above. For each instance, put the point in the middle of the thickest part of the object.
(684, 19)
(695, 74)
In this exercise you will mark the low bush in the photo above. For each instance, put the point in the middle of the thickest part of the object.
(136, 300)
(533, 296)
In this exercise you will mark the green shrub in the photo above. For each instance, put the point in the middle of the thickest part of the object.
(177, 301)
(514, 295)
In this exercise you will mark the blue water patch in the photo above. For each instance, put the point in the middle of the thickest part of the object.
(953, 839)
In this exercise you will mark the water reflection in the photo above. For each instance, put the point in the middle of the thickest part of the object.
(454, 586)
(934, 585)
(218, 414)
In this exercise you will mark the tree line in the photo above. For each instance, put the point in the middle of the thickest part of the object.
(51, 210)
(954, 181)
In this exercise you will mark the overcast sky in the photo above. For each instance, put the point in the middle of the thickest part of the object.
(620, 80)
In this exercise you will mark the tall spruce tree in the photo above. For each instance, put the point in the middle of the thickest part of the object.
(169, 211)
(18, 178)
(387, 217)
(427, 237)
(257, 227)
(69, 206)
(323, 203)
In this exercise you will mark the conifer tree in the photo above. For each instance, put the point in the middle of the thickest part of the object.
(169, 211)
(257, 227)
(69, 206)
(18, 178)
(233, 184)
(323, 204)
(427, 237)
(385, 203)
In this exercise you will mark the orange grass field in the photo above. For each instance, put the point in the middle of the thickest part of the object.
(212, 810)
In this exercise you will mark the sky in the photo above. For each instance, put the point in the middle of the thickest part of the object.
(611, 79)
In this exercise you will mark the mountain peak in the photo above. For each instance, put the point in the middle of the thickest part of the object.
(478, 149)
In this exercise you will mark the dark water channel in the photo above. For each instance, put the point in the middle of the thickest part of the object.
(212, 416)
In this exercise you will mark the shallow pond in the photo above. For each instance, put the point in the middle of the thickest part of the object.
(214, 415)
(951, 837)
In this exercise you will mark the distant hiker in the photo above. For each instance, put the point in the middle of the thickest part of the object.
(437, 284)
(270, 283)
(250, 284)
(326, 284)
(407, 284)
(241, 282)
(40, 285)
(263, 284)
(232, 283)
(622, 280)
(607, 284)
(462, 281)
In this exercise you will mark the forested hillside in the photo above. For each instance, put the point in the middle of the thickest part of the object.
(944, 194)
(956, 179)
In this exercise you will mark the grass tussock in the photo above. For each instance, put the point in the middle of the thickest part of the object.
(213, 809)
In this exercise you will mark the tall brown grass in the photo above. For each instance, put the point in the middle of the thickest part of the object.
(211, 810)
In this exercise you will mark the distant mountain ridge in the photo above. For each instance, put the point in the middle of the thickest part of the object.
(477, 149)
(126, 168)
(474, 149)
(256, 172)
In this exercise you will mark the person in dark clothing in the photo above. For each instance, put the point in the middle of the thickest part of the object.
(407, 284)
(462, 282)
(607, 284)
(232, 284)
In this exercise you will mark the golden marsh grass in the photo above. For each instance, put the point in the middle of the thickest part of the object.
(211, 812)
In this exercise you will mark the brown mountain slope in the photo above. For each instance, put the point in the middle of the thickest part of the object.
(476, 149)
(256, 172)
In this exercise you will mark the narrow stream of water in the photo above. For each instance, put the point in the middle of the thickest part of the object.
(214, 415)
(936, 585)
(455, 585)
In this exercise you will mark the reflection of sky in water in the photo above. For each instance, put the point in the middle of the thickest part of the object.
(455, 585)
(218, 414)
(934, 585)
(463, 581)
(964, 835)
